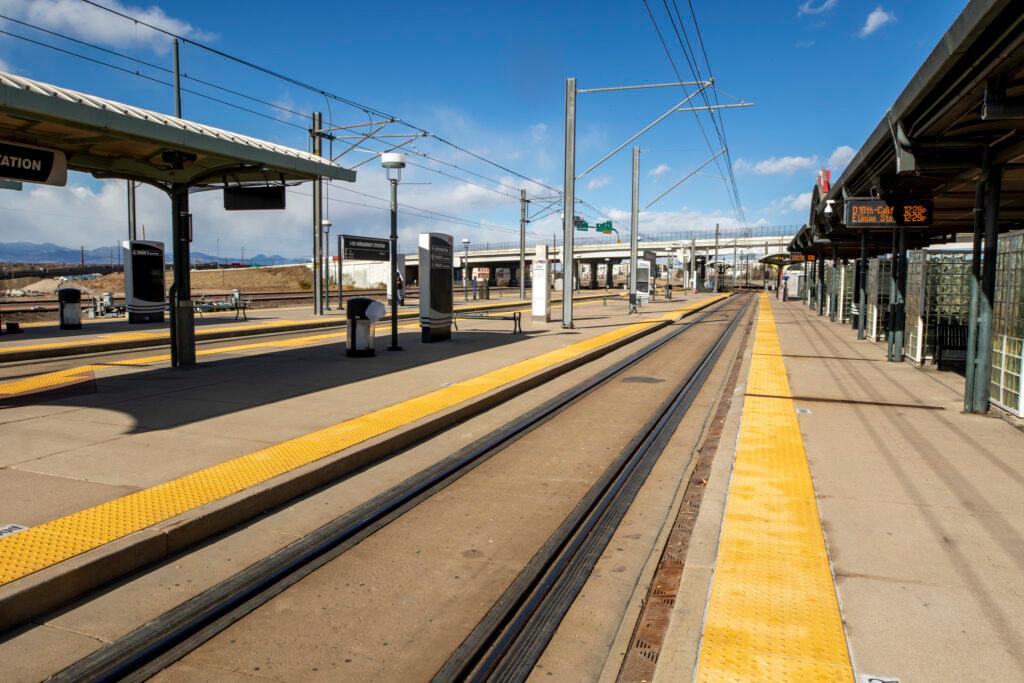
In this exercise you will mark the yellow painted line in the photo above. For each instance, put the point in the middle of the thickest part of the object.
(208, 330)
(47, 544)
(84, 373)
(773, 614)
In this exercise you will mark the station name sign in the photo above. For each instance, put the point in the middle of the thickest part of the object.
(33, 164)
(365, 248)
(868, 212)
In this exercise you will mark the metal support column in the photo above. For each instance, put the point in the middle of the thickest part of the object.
(523, 210)
(890, 329)
(133, 214)
(833, 295)
(183, 341)
(634, 229)
(394, 266)
(862, 289)
(568, 201)
(987, 292)
(900, 309)
(820, 300)
(318, 210)
(975, 285)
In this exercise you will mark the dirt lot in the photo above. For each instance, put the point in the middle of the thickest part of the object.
(282, 279)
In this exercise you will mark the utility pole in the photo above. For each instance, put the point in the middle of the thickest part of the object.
(523, 210)
(693, 265)
(568, 201)
(318, 209)
(634, 229)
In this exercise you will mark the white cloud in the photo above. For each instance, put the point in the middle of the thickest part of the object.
(787, 165)
(840, 158)
(96, 25)
(876, 20)
(678, 221)
(538, 132)
(791, 203)
(4, 66)
(595, 183)
(803, 44)
(659, 170)
(810, 8)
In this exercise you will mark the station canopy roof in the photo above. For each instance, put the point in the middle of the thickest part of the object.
(967, 97)
(113, 140)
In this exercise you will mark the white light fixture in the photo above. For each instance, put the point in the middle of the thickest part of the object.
(393, 163)
(465, 240)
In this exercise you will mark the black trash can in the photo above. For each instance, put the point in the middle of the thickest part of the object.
(70, 300)
(362, 314)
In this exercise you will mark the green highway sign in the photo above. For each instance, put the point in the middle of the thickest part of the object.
(580, 224)
(604, 227)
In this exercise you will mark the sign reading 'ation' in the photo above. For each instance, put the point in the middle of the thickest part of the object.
(867, 212)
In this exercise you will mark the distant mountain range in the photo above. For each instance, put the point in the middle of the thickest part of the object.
(47, 252)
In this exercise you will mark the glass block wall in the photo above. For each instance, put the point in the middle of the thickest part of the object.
(1008, 324)
(915, 306)
(878, 298)
(846, 294)
(938, 284)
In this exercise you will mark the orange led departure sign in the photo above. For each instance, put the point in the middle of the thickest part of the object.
(867, 212)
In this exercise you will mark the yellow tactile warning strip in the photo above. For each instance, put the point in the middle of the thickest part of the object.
(47, 544)
(62, 378)
(251, 327)
(773, 614)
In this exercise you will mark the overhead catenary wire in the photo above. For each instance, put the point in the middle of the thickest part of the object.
(733, 195)
(307, 86)
(138, 74)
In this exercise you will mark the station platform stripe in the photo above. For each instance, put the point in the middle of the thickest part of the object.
(773, 613)
(47, 381)
(41, 546)
(250, 327)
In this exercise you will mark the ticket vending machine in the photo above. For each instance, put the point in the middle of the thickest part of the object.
(643, 281)
(435, 286)
(144, 280)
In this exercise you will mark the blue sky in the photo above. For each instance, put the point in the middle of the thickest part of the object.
(490, 77)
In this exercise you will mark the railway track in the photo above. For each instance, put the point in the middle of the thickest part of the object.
(508, 640)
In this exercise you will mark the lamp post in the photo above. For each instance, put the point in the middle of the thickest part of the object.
(465, 268)
(327, 263)
(393, 163)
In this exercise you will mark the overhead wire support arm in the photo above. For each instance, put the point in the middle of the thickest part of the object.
(646, 128)
(645, 86)
(718, 106)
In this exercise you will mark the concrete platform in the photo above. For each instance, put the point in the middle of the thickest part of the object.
(921, 506)
(98, 336)
(138, 427)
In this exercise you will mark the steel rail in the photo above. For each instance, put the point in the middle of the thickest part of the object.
(508, 642)
(166, 639)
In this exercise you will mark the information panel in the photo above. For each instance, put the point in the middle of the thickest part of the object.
(867, 212)
(435, 251)
(144, 281)
(365, 248)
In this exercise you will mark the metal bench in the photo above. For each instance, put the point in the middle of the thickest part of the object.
(950, 344)
(239, 305)
(515, 317)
